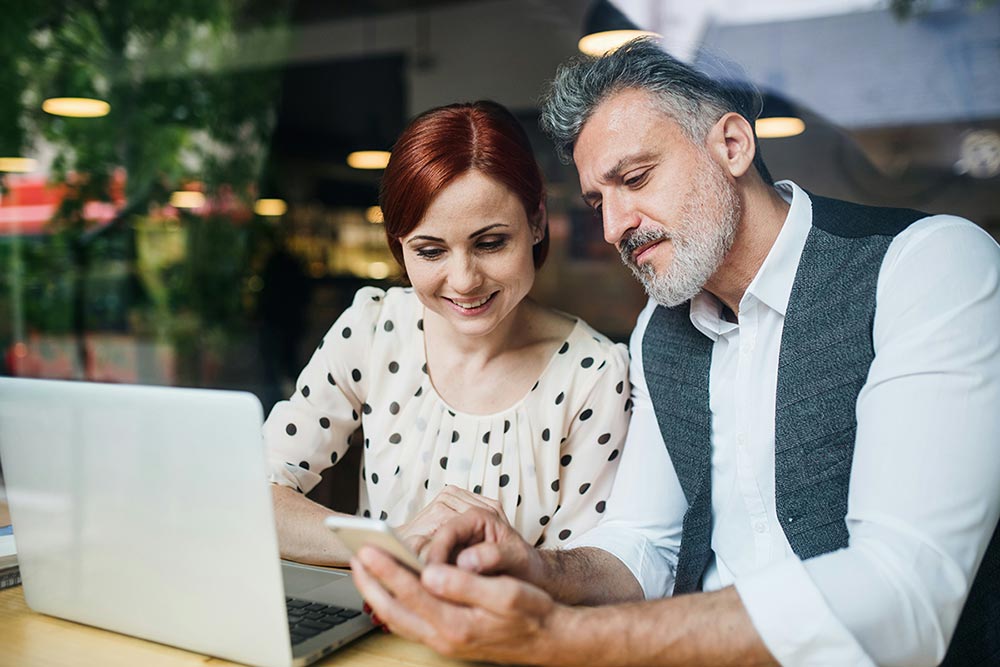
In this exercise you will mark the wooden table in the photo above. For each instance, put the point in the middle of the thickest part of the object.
(28, 639)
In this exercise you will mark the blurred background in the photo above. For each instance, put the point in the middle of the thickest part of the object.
(180, 205)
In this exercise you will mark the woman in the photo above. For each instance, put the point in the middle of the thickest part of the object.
(469, 392)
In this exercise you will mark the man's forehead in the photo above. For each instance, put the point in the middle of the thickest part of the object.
(619, 127)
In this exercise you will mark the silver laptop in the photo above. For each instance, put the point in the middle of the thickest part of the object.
(145, 510)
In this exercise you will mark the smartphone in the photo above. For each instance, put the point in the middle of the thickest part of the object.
(356, 532)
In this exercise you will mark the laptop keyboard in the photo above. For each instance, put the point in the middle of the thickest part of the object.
(307, 619)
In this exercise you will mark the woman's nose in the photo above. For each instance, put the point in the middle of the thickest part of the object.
(464, 275)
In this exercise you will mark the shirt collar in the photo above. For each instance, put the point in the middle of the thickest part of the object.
(772, 285)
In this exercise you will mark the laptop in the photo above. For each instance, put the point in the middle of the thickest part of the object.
(146, 511)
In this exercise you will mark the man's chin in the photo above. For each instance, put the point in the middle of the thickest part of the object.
(668, 296)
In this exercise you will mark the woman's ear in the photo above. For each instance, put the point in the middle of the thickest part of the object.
(538, 222)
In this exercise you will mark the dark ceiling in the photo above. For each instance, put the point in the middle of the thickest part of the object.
(309, 11)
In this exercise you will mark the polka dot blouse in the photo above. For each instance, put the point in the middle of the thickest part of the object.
(550, 458)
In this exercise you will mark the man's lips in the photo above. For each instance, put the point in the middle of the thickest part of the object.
(639, 253)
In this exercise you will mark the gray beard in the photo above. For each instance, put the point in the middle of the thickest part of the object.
(708, 227)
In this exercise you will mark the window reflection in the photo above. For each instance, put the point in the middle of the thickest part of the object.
(207, 228)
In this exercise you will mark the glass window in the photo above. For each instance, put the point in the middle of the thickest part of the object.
(192, 217)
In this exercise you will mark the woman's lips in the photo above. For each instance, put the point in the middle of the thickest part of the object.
(469, 307)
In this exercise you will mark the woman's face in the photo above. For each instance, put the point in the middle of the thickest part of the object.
(469, 259)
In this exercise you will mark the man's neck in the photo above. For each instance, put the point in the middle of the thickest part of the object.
(763, 215)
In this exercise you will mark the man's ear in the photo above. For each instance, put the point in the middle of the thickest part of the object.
(731, 143)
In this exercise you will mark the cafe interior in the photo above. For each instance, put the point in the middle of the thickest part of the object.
(189, 190)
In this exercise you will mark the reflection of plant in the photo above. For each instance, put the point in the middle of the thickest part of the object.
(905, 9)
(181, 111)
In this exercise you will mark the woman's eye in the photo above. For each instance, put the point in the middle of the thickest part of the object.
(492, 244)
(429, 253)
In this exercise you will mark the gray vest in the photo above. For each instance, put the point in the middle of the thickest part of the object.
(826, 351)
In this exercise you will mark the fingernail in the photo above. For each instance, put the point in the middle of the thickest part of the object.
(385, 629)
(433, 578)
(468, 560)
(366, 608)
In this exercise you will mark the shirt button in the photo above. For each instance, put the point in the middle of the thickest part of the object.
(759, 527)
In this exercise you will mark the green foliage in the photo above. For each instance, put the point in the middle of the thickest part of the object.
(184, 108)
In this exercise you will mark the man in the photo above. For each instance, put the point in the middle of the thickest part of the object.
(815, 428)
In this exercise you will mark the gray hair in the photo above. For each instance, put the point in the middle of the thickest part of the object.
(692, 98)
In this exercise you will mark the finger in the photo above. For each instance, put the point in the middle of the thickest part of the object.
(463, 530)
(456, 504)
(388, 609)
(500, 595)
(434, 515)
(418, 543)
(495, 505)
(484, 558)
(481, 501)
(462, 500)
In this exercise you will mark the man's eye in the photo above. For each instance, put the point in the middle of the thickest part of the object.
(637, 179)
(429, 253)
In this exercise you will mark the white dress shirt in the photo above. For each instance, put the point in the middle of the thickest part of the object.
(924, 494)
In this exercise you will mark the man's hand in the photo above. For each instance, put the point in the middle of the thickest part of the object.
(451, 502)
(501, 619)
(477, 541)
(458, 613)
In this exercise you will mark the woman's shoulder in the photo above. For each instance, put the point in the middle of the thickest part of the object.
(379, 305)
(591, 347)
(585, 361)
(375, 310)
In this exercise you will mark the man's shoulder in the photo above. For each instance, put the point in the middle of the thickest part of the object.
(853, 220)
(943, 243)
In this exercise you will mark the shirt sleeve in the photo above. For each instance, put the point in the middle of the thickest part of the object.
(924, 493)
(591, 452)
(642, 522)
(310, 431)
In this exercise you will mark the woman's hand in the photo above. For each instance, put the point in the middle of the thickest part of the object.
(448, 504)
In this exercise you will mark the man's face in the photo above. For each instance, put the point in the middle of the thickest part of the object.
(665, 203)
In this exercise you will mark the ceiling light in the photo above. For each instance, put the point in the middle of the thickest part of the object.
(601, 43)
(373, 214)
(17, 165)
(76, 107)
(270, 207)
(187, 199)
(777, 127)
(368, 159)
(378, 270)
(606, 28)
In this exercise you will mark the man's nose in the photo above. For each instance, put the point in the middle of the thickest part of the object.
(617, 218)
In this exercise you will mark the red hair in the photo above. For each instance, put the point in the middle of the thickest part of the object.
(444, 143)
